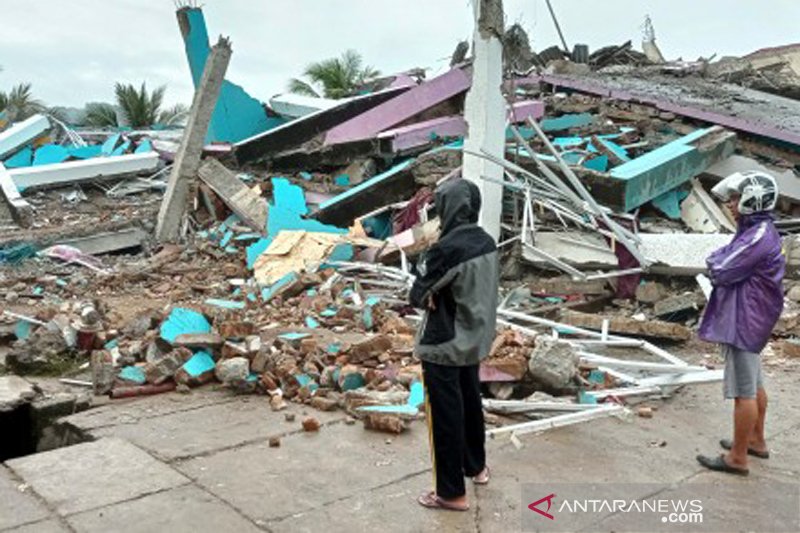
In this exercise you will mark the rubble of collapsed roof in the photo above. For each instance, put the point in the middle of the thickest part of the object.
(268, 248)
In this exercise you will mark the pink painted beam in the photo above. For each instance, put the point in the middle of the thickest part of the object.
(521, 111)
(401, 108)
(421, 134)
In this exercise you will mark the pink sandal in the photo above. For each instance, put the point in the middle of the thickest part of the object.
(432, 501)
(483, 477)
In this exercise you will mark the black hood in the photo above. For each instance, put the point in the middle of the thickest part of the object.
(458, 202)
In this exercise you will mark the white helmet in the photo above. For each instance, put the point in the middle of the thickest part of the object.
(757, 191)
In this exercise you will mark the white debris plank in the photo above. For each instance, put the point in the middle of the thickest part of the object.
(55, 175)
(558, 421)
(21, 133)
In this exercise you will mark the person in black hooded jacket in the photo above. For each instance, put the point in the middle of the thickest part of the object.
(457, 287)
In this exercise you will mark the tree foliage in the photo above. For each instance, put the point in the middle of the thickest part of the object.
(19, 103)
(135, 107)
(336, 77)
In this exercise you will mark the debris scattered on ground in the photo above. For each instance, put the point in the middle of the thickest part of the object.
(277, 260)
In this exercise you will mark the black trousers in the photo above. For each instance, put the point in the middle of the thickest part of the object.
(455, 425)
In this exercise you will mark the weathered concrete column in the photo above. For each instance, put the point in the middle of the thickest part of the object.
(485, 112)
(187, 160)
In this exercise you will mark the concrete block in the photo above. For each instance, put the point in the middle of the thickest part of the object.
(678, 306)
(67, 477)
(553, 363)
(650, 292)
(245, 202)
(233, 370)
(628, 326)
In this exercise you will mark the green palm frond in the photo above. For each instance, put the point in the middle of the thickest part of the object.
(100, 115)
(19, 103)
(298, 86)
(173, 116)
(338, 77)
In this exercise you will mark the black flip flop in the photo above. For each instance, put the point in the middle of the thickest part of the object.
(727, 444)
(718, 464)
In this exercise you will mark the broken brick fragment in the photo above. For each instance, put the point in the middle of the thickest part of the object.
(324, 404)
(233, 329)
(384, 422)
(311, 424)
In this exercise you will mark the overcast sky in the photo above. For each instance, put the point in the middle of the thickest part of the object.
(74, 51)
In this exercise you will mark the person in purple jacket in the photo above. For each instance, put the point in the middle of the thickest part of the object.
(745, 304)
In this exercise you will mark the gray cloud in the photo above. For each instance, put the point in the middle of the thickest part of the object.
(73, 52)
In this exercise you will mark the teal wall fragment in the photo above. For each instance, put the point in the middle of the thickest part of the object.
(237, 115)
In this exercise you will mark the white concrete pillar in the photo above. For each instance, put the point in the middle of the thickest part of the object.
(485, 112)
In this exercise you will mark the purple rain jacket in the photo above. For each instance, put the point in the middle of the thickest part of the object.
(747, 275)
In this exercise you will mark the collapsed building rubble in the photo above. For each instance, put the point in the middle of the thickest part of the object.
(278, 260)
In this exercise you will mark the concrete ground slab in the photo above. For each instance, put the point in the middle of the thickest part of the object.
(17, 506)
(391, 508)
(185, 508)
(119, 412)
(212, 427)
(14, 391)
(94, 474)
(309, 470)
(46, 526)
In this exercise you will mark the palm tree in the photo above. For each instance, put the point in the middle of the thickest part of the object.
(138, 108)
(337, 77)
(19, 103)
(101, 115)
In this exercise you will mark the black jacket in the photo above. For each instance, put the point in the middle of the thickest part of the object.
(460, 275)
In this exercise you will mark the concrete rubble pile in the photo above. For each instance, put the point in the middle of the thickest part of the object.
(269, 248)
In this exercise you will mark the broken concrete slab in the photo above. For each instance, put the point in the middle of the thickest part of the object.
(260, 148)
(21, 210)
(298, 105)
(98, 168)
(390, 186)
(187, 160)
(678, 307)
(702, 214)
(21, 133)
(407, 138)
(245, 202)
(401, 108)
(679, 254)
(107, 242)
(664, 168)
(14, 391)
(67, 477)
(788, 180)
(566, 286)
(749, 111)
(628, 326)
